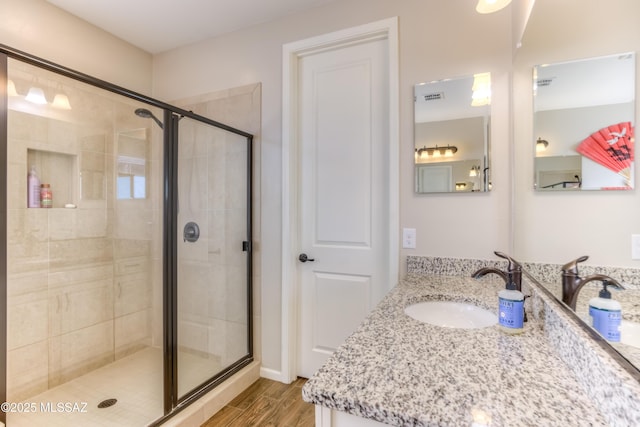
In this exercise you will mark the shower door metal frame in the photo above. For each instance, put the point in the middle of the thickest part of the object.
(4, 112)
(172, 114)
(170, 301)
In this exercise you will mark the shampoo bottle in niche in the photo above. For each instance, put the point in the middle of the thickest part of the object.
(33, 189)
(46, 196)
(511, 309)
(606, 313)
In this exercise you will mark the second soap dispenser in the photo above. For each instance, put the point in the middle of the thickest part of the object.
(511, 309)
(606, 313)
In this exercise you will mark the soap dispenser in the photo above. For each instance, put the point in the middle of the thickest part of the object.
(511, 309)
(606, 313)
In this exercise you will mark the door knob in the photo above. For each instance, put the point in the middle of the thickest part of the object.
(305, 258)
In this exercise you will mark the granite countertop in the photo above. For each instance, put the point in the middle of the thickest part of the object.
(399, 371)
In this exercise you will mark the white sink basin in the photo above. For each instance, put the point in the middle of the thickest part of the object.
(630, 333)
(451, 314)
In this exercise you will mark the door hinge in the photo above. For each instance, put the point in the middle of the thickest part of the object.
(246, 246)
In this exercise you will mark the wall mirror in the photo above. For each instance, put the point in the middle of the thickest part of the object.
(584, 124)
(452, 119)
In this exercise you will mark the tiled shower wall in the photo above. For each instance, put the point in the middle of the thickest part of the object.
(79, 279)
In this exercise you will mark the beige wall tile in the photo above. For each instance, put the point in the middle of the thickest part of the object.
(236, 341)
(17, 189)
(236, 293)
(78, 252)
(217, 292)
(27, 371)
(79, 306)
(132, 332)
(132, 220)
(78, 274)
(27, 127)
(193, 335)
(79, 352)
(132, 294)
(94, 142)
(27, 235)
(26, 283)
(27, 319)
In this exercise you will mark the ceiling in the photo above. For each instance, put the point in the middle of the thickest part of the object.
(585, 83)
(159, 25)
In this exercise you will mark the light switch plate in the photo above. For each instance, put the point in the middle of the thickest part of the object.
(635, 246)
(409, 238)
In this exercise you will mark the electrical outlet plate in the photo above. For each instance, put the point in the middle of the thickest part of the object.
(409, 238)
(635, 246)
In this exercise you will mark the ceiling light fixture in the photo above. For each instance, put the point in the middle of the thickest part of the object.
(490, 6)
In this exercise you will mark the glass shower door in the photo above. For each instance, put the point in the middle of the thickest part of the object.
(213, 257)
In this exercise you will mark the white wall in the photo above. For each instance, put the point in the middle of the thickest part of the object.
(43, 30)
(558, 227)
(438, 39)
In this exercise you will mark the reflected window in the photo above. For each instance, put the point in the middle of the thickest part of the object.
(131, 181)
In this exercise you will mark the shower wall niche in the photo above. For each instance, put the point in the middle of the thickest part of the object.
(57, 169)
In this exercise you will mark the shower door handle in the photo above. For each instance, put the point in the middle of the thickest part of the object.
(305, 258)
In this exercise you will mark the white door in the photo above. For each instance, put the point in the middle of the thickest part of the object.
(343, 194)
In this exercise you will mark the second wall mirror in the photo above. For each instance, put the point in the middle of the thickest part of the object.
(452, 135)
(584, 124)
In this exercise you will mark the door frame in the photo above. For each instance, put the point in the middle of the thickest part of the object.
(386, 29)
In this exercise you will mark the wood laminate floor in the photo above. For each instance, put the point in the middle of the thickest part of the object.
(266, 403)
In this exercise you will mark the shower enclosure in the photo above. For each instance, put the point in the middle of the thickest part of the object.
(130, 297)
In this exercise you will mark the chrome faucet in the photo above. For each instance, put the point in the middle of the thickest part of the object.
(572, 282)
(513, 274)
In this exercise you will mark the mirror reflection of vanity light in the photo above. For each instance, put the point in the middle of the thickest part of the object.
(475, 171)
(541, 145)
(451, 135)
(444, 151)
(36, 96)
(11, 88)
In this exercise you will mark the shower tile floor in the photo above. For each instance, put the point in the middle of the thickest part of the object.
(135, 381)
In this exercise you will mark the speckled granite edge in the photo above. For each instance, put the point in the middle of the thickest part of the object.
(613, 389)
(545, 273)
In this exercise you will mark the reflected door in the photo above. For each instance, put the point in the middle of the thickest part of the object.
(212, 252)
